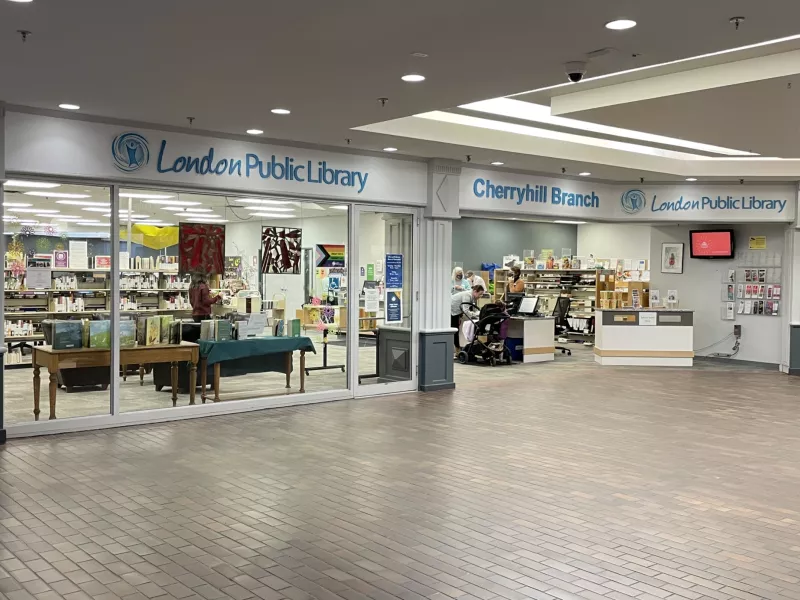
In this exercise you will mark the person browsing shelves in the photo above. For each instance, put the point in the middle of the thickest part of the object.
(200, 298)
(516, 285)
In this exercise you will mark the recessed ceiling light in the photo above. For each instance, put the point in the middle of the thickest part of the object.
(31, 184)
(272, 208)
(339, 207)
(390, 149)
(413, 78)
(584, 174)
(621, 24)
(16, 204)
(69, 106)
(498, 163)
(281, 111)
(22, 1)
(57, 195)
(173, 202)
(691, 179)
(255, 131)
(145, 196)
(560, 222)
(34, 210)
(83, 203)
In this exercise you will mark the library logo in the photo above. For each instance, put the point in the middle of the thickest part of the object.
(130, 151)
(633, 201)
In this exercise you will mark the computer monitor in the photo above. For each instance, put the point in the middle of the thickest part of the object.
(512, 302)
(527, 307)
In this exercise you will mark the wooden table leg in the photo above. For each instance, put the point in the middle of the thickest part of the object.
(216, 381)
(203, 378)
(173, 373)
(302, 371)
(124, 372)
(141, 375)
(288, 370)
(37, 386)
(53, 390)
(192, 381)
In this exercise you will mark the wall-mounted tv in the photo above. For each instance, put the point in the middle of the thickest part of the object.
(711, 243)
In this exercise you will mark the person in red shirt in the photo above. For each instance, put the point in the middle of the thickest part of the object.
(200, 298)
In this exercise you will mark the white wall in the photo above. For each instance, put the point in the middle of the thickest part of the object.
(612, 240)
(244, 239)
(700, 289)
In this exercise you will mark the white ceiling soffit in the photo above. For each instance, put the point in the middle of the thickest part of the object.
(528, 111)
(474, 132)
(673, 84)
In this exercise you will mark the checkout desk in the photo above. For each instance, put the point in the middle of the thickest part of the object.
(644, 337)
(537, 335)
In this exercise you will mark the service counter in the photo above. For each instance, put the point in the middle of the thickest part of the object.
(537, 335)
(644, 337)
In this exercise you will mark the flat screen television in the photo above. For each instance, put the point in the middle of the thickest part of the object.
(711, 243)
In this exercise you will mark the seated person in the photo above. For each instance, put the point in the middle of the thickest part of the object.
(516, 285)
(458, 307)
(475, 279)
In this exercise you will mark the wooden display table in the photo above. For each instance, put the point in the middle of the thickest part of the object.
(214, 353)
(53, 360)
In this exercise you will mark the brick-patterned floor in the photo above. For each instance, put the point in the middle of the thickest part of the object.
(562, 483)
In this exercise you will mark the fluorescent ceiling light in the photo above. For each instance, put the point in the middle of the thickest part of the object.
(691, 179)
(93, 223)
(34, 210)
(101, 210)
(671, 62)
(201, 220)
(413, 78)
(177, 209)
(621, 24)
(584, 174)
(31, 184)
(528, 111)
(83, 203)
(255, 131)
(281, 111)
(85, 221)
(16, 204)
(57, 195)
(145, 196)
(151, 222)
(259, 201)
(27, 222)
(498, 163)
(339, 207)
(553, 135)
(173, 202)
(66, 106)
(125, 216)
(65, 218)
(565, 222)
(272, 215)
(22, 1)
(390, 149)
(272, 208)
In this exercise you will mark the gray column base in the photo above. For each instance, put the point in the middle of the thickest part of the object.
(436, 360)
(794, 350)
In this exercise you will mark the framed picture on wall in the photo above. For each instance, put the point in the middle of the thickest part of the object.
(672, 257)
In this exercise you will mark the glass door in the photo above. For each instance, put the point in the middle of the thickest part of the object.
(382, 327)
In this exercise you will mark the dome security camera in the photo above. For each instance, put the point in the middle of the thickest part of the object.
(575, 70)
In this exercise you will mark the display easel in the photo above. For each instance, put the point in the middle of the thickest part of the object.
(325, 365)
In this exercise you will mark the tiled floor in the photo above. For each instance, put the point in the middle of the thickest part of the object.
(549, 481)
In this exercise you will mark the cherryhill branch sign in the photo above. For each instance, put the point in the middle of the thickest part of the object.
(512, 193)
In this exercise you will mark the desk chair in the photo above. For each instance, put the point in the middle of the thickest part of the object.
(560, 312)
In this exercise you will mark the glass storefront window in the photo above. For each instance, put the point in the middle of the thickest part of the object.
(203, 269)
(57, 268)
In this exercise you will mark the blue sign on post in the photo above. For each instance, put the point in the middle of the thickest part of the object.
(394, 271)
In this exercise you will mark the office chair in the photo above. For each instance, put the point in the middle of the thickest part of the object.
(560, 312)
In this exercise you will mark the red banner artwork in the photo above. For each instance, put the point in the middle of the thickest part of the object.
(202, 248)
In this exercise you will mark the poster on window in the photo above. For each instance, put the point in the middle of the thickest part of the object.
(281, 250)
(394, 271)
(394, 306)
